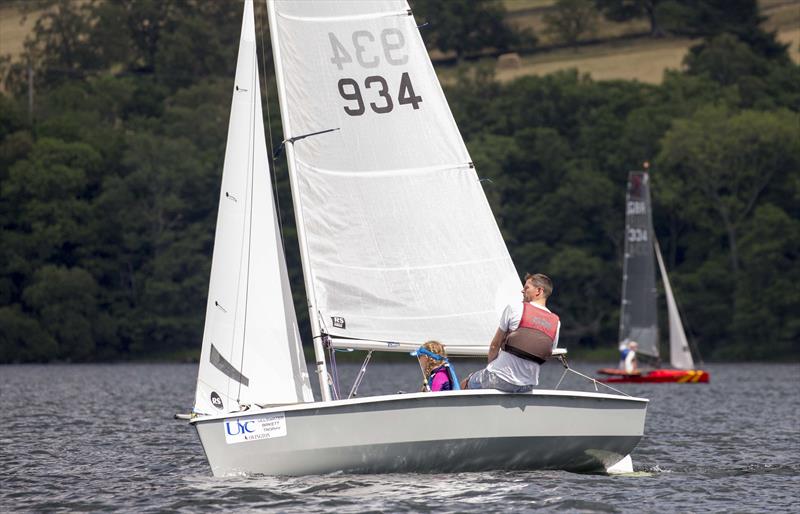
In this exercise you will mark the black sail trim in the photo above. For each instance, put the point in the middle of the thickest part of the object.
(219, 362)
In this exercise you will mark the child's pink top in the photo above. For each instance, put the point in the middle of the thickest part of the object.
(441, 380)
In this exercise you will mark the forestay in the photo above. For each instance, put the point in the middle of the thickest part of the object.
(680, 356)
(639, 315)
(251, 346)
(399, 242)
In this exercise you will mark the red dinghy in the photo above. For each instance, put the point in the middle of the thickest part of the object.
(639, 306)
(656, 376)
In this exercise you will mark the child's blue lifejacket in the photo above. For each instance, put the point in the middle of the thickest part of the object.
(454, 385)
(451, 378)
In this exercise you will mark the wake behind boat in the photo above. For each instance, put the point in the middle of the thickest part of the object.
(398, 245)
(639, 309)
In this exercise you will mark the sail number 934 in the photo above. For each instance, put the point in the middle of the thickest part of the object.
(368, 52)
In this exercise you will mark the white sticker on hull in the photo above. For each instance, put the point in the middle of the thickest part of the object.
(240, 430)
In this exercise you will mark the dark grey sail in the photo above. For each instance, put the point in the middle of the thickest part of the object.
(638, 316)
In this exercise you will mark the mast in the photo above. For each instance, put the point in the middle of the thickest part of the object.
(319, 351)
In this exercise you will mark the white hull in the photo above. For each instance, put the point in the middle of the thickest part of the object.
(433, 432)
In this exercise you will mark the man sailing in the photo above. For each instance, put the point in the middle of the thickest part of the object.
(526, 336)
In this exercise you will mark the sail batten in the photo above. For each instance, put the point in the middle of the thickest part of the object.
(411, 269)
(329, 19)
(387, 172)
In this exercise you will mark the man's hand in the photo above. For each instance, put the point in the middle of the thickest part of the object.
(497, 342)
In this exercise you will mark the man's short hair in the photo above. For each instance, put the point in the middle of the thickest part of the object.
(541, 280)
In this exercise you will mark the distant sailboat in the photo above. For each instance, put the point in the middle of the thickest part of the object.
(638, 312)
(398, 245)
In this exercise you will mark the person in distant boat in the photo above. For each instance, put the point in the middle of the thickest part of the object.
(527, 335)
(623, 351)
(437, 373)
(628, 361)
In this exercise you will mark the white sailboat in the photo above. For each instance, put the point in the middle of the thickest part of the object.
(398, 246)
(639, 309)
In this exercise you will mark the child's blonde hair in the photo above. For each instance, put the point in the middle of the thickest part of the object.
(431, 363)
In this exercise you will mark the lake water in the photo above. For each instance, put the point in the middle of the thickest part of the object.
(102, 438)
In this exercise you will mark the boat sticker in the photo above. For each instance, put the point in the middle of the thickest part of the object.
(338, 321)
(242, 430)
(216, 401)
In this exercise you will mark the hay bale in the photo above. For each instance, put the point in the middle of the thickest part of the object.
(510, 61)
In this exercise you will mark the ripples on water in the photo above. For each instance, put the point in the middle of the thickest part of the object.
(102, 437)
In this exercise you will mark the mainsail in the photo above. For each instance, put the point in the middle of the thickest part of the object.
(639, 315)
(680, 356)
(398, 240)
(252, 352)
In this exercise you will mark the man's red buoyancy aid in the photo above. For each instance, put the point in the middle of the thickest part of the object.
(533, 338)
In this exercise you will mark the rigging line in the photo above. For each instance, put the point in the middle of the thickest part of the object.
(334, 373)
(597, 382)
(250, 179)
(333, 376)
(360, 376)
(238, 280)
(269, 130)
(321, 322)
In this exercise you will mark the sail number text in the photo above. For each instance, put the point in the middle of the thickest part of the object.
(637, 208)
(637, 235)
(368, 51)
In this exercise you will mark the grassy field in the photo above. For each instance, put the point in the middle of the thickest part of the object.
(633, 58)
(515, 6)
(644, 60)
(13, 30)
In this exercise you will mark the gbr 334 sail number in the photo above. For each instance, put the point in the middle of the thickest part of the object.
(367, 50)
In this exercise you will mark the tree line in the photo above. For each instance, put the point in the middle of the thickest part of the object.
(109, 186)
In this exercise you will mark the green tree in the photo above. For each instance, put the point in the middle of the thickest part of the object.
(15, 139)
(711, 18)
(624, 10)
(760, 82)
(65, 301)
(23, 339)
(732, 159)
(705, 18)
(770, 249)
(46, 197)
(570, 20)
(725, 59)
(583, 292)
(57, 50)
(465, 26)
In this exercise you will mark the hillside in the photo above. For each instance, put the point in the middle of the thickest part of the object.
(616, 51)
(14, 28)
(623, 50)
